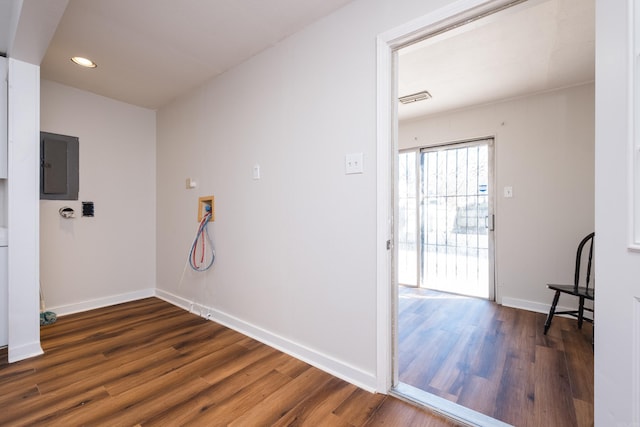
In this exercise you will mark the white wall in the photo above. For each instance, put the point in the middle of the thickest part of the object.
(296, 250)
(3, 117)
(29, 33)
(544, 149)
(3, 141)
(22, 212)
(4, 294)
(90, 262)
(617, 364)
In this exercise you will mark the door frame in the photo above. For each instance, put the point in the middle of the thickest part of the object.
(388, 44)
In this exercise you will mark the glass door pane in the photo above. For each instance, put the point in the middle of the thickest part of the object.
(407, 219)
(454, 226)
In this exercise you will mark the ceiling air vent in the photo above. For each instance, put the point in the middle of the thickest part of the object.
(419, 96)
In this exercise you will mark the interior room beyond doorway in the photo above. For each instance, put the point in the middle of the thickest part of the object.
(542, 117)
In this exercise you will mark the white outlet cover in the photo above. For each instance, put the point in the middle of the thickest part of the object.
(354, 163)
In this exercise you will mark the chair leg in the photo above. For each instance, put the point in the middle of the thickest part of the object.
(552, 310)
(580, 312)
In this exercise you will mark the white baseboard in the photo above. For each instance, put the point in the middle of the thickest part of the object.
(337, 368)
(24, 351)
(78, 307)
(537, 307)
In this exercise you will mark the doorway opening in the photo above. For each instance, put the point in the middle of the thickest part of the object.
(399, 152)
(445, 218)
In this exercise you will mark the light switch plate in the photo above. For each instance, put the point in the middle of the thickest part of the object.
(191, 183)
(508, 192)
(353, 163)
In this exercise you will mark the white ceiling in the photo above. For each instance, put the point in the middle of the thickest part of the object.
(536, 46)
(150, 51)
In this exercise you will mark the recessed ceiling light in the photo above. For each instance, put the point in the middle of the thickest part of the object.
(419, 96)
(84, 62)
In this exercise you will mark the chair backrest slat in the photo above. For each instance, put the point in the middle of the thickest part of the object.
(576, 281)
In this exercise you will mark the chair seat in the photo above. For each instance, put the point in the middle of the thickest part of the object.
(582, 291)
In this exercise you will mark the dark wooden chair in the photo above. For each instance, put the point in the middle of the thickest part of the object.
(582, 292)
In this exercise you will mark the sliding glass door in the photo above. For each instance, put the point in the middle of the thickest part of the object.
(446, 218)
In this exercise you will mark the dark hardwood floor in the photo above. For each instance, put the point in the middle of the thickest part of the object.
(149, 363)
(496, 360)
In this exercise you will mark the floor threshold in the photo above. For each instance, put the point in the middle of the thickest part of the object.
(445, 407)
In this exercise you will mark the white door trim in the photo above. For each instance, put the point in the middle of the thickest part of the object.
(387, 45)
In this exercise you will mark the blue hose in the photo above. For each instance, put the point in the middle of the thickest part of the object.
(203, 231)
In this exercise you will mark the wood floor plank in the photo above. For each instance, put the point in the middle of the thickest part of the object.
(317, 409)
(52, 374)
(479, 394)
(359, 407)
(553, 404)
(247, 358)
(584, 413)
(150, 363)
(178, 414)
(429, 358)
(234, 408)
(174, 333)
(137, 339)
(12, 374)
(103, 325)
(214, 335)
(452, 372)
(185, 367)
(278, 403)
(131, 408)
(293, 367)
(489, 359)
(514, 399)
(102, 373)
(495, 359)
(45, 409)
(18, 394)
(397, 413)
(579, 359)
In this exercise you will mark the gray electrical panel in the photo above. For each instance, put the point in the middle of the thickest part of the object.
(59, 166)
